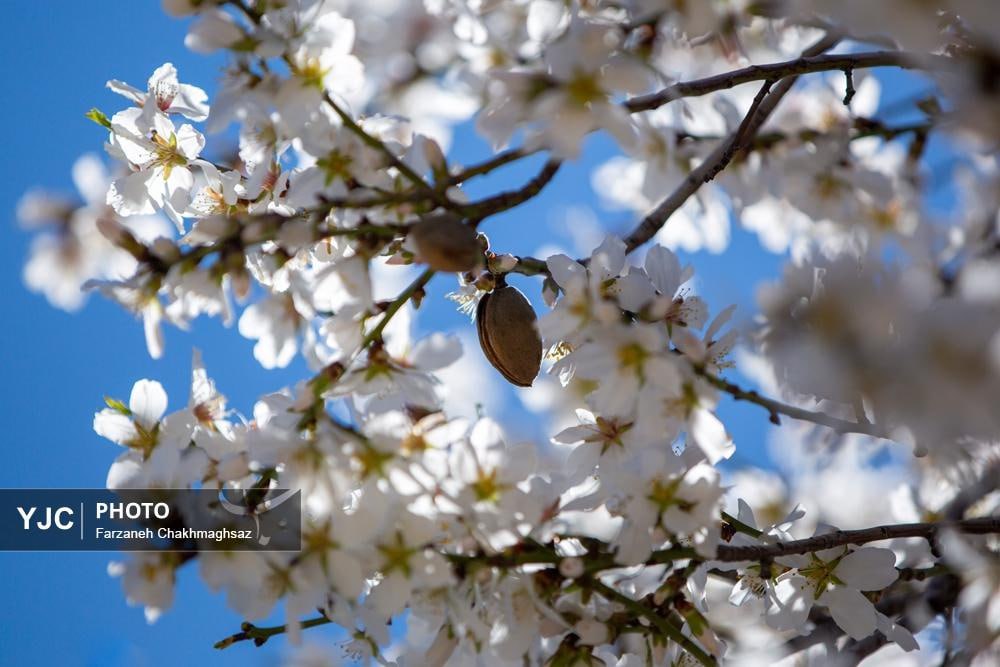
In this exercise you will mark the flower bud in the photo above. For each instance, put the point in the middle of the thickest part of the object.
(445, 243)
(508, 334)
(502, 263)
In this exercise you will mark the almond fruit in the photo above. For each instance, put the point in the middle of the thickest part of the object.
(508, 334)
(445, 243)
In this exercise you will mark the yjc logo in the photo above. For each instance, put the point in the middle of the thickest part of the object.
(53, 516)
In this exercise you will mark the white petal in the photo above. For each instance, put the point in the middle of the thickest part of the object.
(148, 402)
(565, 271)
(868, 569)
(710, 436)
(190, 141)
(191, 102)
(391, 595)
(151, 317)
(896, 632)
(850, 610)
(573, 435)
(664, 270)
(608, 259)
(125, 90)
(130, 195)
(114, 426)
(793, 600)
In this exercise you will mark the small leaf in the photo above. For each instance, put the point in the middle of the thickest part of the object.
(98, 117)
(117, 406)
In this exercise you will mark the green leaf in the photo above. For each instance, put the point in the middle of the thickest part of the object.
(117, 406)
(98, 117)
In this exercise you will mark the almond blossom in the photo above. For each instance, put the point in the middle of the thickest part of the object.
(578, 517)
(160, 156)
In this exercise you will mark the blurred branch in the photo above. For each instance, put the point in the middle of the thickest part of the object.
(499, 160)
(809, 62)
(258, 635)
(664, 625)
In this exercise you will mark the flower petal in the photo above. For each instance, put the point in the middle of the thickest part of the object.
(868, 569)
(148, 402)
(851, 611)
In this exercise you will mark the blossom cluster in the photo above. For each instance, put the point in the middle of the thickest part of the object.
(628, 538)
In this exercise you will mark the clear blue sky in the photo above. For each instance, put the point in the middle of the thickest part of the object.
(62, 607)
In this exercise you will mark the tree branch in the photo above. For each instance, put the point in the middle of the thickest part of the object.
(375, 143)
(776, 408)
(724, 153)
(806, 64)
(979, 526)
(512, 198)
(258, 635)
(500, 159)
(659, 622)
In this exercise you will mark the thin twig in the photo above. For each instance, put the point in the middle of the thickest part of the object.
(259, 636)
(806, 64)
(377, 144)
(512, 198)
(776, 408)
(499, 160)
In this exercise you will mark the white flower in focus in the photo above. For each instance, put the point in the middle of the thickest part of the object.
(321, 63)
(606, 442)
(833, 578)
(136, 425)
(161, 157)
(166, 94)
(664, 498)
(403, 378)
(623, 360)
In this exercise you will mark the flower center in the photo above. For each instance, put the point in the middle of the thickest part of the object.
(168, 155)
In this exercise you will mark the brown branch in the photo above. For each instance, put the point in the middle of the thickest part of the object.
(979, 526)
(508, 200)
(499, 160)
(724, 153)
(806, 64)
(776, 408)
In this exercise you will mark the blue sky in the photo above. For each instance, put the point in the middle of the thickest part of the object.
(57, 366)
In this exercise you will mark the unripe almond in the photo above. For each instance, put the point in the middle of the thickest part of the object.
(445, 243)
(508, 334)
